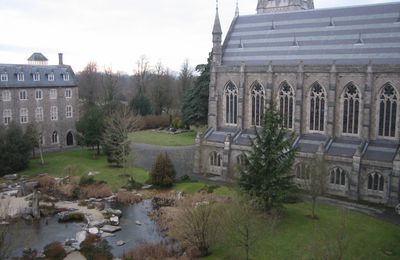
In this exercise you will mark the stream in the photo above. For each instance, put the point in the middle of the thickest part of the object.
(38, 234)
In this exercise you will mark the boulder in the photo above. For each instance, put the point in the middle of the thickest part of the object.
(66, 216)
(80, 237)
(94, 231)
(97, 223)
(114, 220)
(120, 243)
(70, 241)
(10, 177)
(137, 222)
(110, 229)
(115, 212)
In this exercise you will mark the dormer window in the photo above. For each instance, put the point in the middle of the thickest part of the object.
(20, 76)
(66, 76)
(50, 77)
(4, 77)
(36, 76)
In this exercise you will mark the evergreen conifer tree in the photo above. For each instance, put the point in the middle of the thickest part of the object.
(265, 175)
(163, 172)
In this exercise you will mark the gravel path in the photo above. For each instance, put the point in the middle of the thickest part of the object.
(182, 156)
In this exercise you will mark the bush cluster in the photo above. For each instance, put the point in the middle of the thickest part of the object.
(15, 147)
(54, 251)
(162, 173)
(95, 248)
(153, 122)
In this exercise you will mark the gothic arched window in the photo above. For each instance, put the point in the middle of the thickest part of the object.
(301, 172)
(54, 138)
(257, 104)
(286, 105)
(231, 103)
(375, 181)
(351, 109)
(387, 111)
(241, 160)
(338, 176)
(317, 107)
(215, 159)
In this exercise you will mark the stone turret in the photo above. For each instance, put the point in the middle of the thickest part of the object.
(217, 39)
(274, 6)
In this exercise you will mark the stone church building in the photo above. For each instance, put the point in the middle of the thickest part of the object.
(334, 74)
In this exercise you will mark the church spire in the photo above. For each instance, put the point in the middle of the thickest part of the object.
(217, 24)
(237, 8)
(217, 39)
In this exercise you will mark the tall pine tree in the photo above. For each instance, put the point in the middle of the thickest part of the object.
(195, 106)
(265, 175)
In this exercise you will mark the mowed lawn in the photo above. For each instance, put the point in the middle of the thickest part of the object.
(163, 139)
(82, 162)
(298, 237)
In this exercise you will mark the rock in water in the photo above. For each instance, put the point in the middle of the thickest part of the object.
(35, 205)
(110, 229)
(94, 231)
(138, 223)
(120, 243)
(10, 177)
(80, 237)
(115, 212)
(114, 221)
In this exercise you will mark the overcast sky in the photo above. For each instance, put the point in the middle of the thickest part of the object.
(117, 32)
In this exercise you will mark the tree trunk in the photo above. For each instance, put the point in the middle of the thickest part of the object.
(314, 201)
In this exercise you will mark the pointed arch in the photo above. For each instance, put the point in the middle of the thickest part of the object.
(286, 99)
(317, 107)
(215, 159)
(337, 176)
(231, 103)
(388, 105)
(376, 181)
(351, 97)
(257, 103)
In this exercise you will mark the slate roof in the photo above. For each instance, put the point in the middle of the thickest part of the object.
(344, 146)
(37, 56)
(349, 35)
(381, 151)
(59, 70)
(309, 143)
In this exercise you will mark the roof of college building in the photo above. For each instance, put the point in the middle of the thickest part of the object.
(11, 70)
(347, 35)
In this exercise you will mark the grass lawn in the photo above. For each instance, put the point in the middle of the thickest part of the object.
(163, 139)
(298, 237)
(193, 187)
(83, 163)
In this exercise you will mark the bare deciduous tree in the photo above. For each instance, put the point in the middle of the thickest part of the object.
(110, 85)
(244, 225)
(197, 224)
(315, 182)
(89, 83)
(115, 138)
(141, 73)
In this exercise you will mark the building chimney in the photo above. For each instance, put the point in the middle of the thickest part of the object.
(60, 59)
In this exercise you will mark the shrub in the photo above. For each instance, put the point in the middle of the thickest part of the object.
(128, 197)
(153, 122)
(185, 178)
(55, 251)
(95, 191)
(86, 180)
(177, 124)
(46, 183)
(162, 173)
(132, 184)
(93, 248)
(209, 188)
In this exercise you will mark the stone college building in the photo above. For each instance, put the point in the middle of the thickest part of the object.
(41, 93)
(335, 77)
